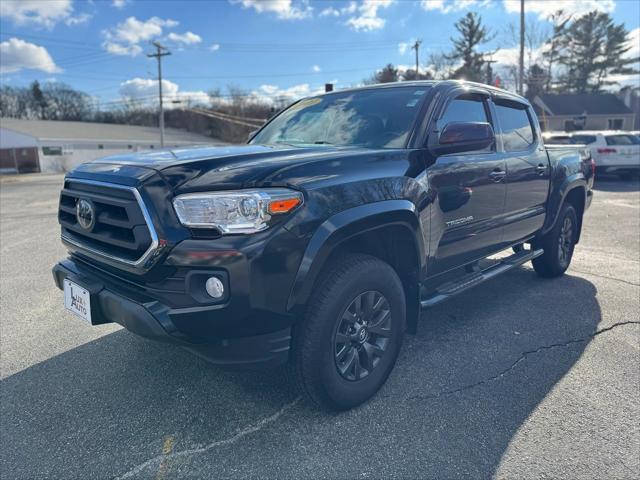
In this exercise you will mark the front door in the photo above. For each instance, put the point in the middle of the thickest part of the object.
(467, 220)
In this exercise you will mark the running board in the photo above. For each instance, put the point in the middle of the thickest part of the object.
(451, 289)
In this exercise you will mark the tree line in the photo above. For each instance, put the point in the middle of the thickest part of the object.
(578, 55)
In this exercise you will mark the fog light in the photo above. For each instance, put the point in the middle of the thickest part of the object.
(214, 287)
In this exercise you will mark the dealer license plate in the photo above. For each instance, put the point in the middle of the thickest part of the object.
(77, 300)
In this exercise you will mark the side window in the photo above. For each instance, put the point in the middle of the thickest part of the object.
(583, 139)
(464, 109)
(517, 132)
(621, 140)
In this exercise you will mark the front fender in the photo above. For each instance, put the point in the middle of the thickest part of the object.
(345, 225)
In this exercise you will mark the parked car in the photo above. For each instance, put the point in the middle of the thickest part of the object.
(321, 241)
(614, 151)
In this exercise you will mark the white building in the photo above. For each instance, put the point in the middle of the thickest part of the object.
(56, 146)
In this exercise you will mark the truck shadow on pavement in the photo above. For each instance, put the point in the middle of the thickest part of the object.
(478, 368)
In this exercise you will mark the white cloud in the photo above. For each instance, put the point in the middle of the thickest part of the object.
(271, 94)
(330, 12)
(78, 19)
(316, 68)
(20, 55)
(145, 92)
(634, 42)
(545, 8)
(284, 9)
(214, 47)
(124, 38)
(41, 13)
(187, 38)
(403, 47)
(337, 12)
(119, 3)
(447, 6)
(366, 17)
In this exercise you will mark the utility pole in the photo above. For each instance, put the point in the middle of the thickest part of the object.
(521, 65)
(416, 47)
(160, 52)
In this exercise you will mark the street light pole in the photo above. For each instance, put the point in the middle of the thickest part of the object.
(160, 52)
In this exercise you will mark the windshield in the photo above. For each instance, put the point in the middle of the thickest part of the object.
(375, 118)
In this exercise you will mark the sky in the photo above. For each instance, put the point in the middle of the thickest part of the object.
(268, 48)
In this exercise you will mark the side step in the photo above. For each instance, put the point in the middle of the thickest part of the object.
(450, 289)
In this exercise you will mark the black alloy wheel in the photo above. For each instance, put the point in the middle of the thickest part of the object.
(362, 335)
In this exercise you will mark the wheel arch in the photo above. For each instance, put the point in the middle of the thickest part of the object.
(574, 191)
(389, 230)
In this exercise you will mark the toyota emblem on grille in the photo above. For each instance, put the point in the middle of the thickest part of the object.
(85, 214)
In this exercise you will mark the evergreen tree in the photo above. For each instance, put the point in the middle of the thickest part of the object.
(593, 48)
(472, 34)
(387, 75)
(560, 20)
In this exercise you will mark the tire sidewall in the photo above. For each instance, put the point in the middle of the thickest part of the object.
(567, 212)
(376, 277)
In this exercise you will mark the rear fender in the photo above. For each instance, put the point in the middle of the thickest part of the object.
(559, 195)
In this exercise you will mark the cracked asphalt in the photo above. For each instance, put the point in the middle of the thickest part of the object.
(518, 378)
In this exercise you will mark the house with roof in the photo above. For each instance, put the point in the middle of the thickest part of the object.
(582, 111)
(55, 146)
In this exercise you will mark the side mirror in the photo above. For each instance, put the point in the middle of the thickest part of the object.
(459, 137)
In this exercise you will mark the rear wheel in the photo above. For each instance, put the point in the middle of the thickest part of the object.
(558, 244)
(347, 344)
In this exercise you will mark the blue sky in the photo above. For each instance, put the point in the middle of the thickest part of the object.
(276, 47)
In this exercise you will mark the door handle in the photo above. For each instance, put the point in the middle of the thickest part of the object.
(541, 169)
(497, 175)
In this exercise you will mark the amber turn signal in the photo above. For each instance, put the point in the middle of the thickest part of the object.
(283, 205)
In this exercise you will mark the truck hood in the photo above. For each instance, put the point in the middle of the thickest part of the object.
(220, 167)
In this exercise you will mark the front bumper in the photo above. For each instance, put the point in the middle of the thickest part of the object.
(149, 317)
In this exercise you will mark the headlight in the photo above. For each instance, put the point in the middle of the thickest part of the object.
(240, 211)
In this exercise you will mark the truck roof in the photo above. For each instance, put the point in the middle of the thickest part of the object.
(433, 83)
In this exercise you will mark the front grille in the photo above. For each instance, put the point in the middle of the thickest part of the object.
(122, 230)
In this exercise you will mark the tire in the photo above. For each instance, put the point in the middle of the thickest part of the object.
(328, 344)
(558, 245)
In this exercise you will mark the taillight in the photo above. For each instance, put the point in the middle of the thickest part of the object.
(593, 167)
(607, 150)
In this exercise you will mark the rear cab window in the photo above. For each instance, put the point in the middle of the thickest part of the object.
(515, 124)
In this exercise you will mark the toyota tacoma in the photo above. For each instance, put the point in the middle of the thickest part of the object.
(319, 243)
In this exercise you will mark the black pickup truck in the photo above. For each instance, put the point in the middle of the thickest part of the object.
(320, 241)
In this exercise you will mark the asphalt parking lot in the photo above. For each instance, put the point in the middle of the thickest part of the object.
(518, 378)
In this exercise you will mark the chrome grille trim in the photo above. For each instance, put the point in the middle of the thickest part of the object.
(139, 263)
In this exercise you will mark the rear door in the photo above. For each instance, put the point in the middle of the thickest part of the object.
(528, 170)
(470, 192)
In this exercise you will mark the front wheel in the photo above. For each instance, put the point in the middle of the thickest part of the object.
(558, 245)
(347, 344)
